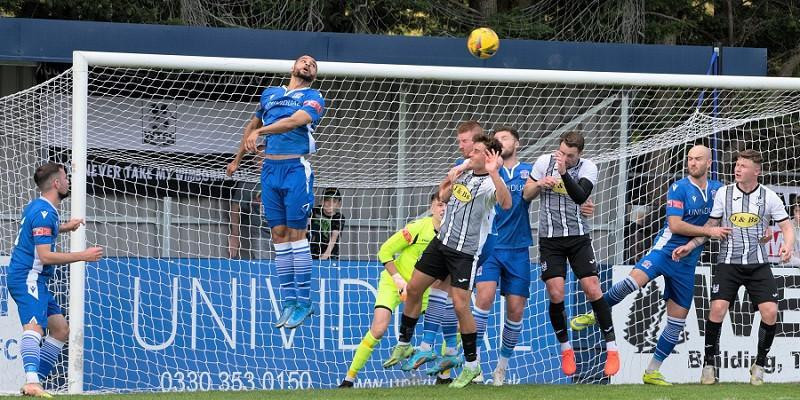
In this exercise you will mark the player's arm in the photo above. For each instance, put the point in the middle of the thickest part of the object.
(394, 245)
(580, 190)
(531, 189)
(336, 230)
(253, 124)
(682, 251)
(788, 240)
(71, 225)
(49, 257)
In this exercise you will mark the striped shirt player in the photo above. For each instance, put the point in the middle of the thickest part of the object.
(565, 181)
(746, 207)
(455, 251)
(288, 116)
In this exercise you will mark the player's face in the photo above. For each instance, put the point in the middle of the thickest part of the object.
(509, 142)
(698, 162)
(61, 184)
(478, 156)
(571, 154)
(465, 143)
(305, 68)
(746, 171)
(437, 208)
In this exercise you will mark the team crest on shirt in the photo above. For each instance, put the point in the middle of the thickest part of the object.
(560, 188)
(744, 220)
(646, 264)
(524, 174)
(461, 193)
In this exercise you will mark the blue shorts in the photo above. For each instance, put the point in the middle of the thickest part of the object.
(678, 276)
(488, 248)
(287, 192)
(510, 268)
(34, 306)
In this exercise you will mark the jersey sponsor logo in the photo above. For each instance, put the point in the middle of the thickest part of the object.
(744, 220)
(42, 231)
(560, 188)
(407, 236)
(675, 204)
(297, 96)
(313, 104)
(461, 193)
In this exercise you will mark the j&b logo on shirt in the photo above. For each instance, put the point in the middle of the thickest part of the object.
(744, 220)
(461, 193)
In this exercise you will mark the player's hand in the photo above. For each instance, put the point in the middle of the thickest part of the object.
(561, 162)
(681, 251)
(493, 161)
(232, 167)
(718, 232)
(456, 171)
(767, 236)
(251, 141)
(324, 256)
(233, 246)
(548, 182)
(72, 224)
(785, 253)
(93, 254)
(587, 208)
(401, 284)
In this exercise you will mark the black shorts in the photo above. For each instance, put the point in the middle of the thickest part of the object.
(756, 278)
(554, 253)
(439, 261)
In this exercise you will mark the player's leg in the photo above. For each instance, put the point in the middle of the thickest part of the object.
(582, 261)
(725, 284)
(388, 299)
(462, 270)
(58, 334)
(678, 293)
(553, 264)
(32, 308)
(275, 216)
(763, 290)
(486, 280)
(298, 202)
(515, 282)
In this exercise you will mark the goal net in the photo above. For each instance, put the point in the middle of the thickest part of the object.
(180, 303)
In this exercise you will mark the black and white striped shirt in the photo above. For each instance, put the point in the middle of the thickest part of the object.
(470, 213)
(559, 216)
(748, 214)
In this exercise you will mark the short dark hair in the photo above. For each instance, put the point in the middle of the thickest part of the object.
(467, 126)
(435, 196)
(490, 143)
(46, 172)
(573, 139)
(506, 128)
(332, 193)
(750, 154)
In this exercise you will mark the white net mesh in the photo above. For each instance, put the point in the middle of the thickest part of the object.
(169, 310)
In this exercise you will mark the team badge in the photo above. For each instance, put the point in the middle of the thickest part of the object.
(524, 174)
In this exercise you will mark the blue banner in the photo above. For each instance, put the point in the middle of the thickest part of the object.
(206, 324)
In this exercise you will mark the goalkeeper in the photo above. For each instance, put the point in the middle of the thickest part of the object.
(408, 244)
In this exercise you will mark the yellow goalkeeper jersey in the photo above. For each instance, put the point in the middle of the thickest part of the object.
(409, 243)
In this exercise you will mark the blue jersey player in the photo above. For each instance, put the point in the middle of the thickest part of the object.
(32, 263)
(509, 262)
(689, 204)
(288, 116)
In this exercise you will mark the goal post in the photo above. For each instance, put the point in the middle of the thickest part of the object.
(631, 119)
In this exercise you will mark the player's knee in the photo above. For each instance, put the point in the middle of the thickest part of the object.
(60, 334)
(717, 312)
(279, 234)
(769, 312)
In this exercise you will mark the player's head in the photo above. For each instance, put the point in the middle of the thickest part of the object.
(748, 166)
(466, 131)
(509, 139)
(52, 177)
(331, 200)
(437, 206)
(571, 144)
(698, 161)
(305, 68)
(481, 143)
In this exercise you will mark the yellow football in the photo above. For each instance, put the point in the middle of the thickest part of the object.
(483, 42)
